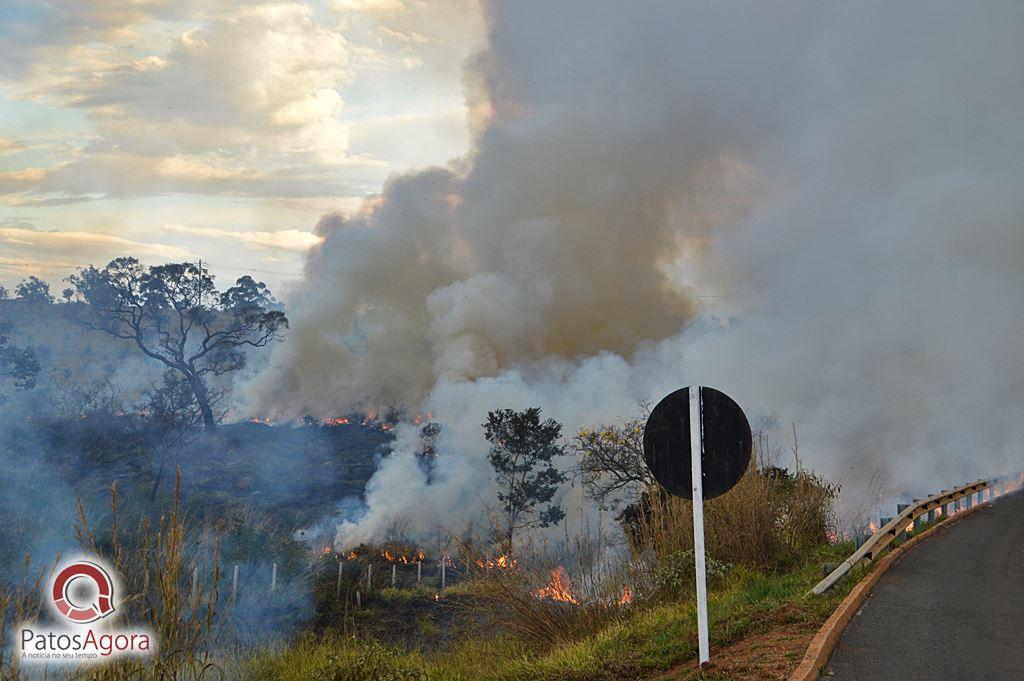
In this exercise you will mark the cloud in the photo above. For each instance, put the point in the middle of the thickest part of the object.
(286, 239)
(75, 246)
(244, 101)
(234, 98)
(10, 146)
(377, 7)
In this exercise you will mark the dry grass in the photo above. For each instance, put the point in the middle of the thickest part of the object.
(175, 595)
(164, 587)
(767, 521)
(19, 602)
(548, 594)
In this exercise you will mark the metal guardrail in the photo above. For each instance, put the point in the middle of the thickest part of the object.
(880, 540)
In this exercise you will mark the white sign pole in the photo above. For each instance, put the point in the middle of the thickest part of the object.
(696, 450)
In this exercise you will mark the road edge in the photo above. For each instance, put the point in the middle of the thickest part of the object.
(820, 649)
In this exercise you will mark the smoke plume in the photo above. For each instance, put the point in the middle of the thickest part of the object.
(813, 207)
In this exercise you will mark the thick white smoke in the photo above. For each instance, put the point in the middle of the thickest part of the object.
(815, 208)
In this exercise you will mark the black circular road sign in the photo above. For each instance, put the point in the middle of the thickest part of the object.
(727, 443)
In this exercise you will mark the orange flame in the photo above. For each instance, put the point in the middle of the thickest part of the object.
(504, 562)
(401, 558)
(559, 588)
(627, 596)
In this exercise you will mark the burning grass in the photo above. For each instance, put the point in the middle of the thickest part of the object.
(641, 642)
(592, 609)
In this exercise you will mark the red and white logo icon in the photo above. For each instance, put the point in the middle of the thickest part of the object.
(83, 592)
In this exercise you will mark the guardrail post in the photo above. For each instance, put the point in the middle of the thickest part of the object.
(919, 518)
(900, 508)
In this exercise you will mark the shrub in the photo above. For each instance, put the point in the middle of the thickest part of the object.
(769, 520)
(675, 575)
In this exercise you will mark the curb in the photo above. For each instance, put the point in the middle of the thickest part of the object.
(820, 649)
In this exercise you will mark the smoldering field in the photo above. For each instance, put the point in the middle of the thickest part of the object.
(814, 208)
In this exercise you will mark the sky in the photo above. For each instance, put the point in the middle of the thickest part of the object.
(215, 130)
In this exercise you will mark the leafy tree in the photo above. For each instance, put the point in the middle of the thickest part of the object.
(19, 364)
(522, 447)
(3, 292)
(175, 315)
(611, 460)
(34, 290)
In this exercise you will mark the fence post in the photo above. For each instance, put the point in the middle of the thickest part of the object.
(273, 577)
(442, 575)
(394, 568)
(234, 586)
(369, 577)
(340, 563)
(419, 571)
(195, 580)
(359, 600)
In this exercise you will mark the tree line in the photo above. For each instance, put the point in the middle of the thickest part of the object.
(174, 314)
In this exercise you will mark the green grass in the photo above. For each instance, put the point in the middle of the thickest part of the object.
(648, 640)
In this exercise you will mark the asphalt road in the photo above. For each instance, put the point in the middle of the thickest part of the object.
(951, 608)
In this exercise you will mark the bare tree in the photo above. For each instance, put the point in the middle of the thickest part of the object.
(175, 315)
(611, 460)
